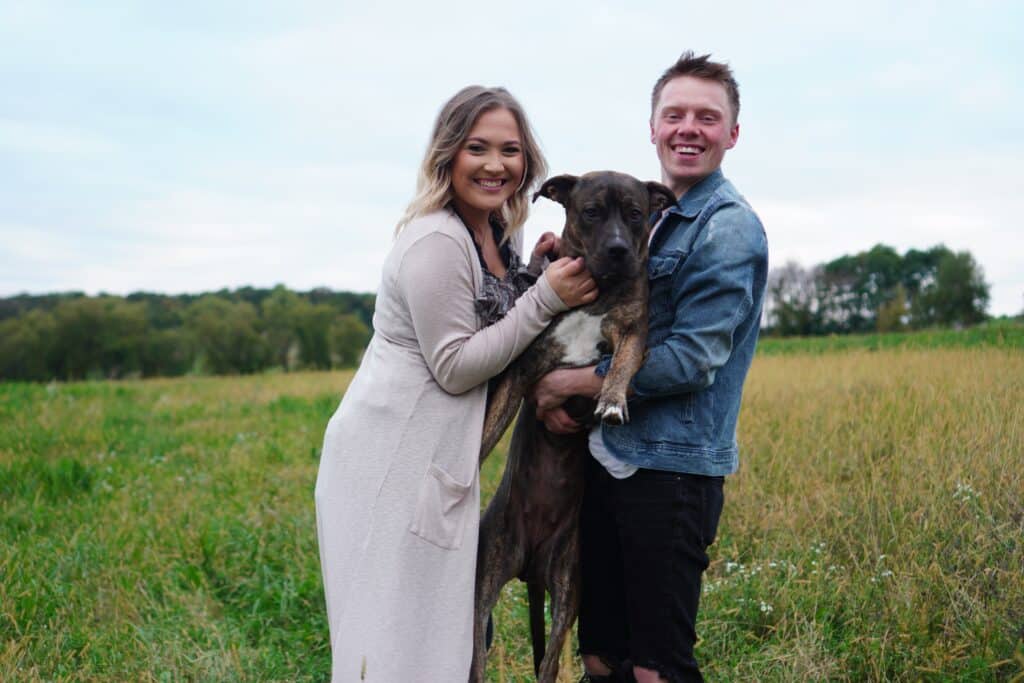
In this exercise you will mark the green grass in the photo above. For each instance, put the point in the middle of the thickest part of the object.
(163, 530)
(1002, 334)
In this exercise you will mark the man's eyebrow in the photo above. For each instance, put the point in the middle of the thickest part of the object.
(700, 109)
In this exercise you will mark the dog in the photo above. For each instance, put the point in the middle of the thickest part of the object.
(530, 529)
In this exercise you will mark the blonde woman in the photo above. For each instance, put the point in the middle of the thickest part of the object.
(397, 494)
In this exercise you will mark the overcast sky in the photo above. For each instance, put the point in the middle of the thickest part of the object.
(190, 146)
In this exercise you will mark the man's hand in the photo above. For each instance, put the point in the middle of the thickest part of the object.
(554, 388)
(557, 421)
(558, 385)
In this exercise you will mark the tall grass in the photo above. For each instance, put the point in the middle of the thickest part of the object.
(163, 530)
(876, 530)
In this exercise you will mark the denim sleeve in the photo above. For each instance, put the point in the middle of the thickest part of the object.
(712, 293)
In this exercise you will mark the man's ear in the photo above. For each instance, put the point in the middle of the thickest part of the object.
(660, 196)
(734, 135)
(557, 188)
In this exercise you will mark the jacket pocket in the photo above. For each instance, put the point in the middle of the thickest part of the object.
(660, 269)
(443, 506)
(664, 264)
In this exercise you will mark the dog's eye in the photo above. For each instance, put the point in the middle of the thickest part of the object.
(591, 214)
(636, 215)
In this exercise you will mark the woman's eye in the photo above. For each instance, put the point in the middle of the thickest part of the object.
(512, 151)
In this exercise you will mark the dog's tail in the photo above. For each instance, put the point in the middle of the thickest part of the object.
(535, 596)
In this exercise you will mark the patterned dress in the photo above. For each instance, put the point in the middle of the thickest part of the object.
(499, 294)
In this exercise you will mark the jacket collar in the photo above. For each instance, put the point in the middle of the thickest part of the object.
(691, 203)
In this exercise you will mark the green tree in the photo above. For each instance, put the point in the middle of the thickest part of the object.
(795, 300)
(280, 310)
(226, 335)
(349, 337)
(100, 336)
(856, 286)
(26, 342)
(958, 295)
(313, 328)
(168, 352)
(892, 314)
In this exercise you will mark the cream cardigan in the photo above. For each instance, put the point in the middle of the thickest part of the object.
(398, 490)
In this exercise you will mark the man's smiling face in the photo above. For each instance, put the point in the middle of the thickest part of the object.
(692, 127)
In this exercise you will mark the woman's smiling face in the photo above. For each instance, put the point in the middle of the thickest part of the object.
(488, 168)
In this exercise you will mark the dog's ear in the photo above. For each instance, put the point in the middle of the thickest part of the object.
(660, 196)
(557, 188)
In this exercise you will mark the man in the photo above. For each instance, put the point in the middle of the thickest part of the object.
(654, 486)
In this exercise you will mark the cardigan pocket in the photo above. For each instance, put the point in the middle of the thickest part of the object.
(442, 507)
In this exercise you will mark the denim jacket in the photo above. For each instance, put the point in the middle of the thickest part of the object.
(707, 270)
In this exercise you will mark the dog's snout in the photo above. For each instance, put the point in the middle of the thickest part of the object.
(618, 250)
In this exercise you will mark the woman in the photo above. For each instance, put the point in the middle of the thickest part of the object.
(398, 492)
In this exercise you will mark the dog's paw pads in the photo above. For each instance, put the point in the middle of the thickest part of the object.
(612, 413)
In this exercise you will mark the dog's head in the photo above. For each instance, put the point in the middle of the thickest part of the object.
(607, 219)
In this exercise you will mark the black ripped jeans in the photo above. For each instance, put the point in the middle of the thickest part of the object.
(644, 543)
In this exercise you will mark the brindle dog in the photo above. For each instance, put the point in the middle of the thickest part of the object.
(530, 529)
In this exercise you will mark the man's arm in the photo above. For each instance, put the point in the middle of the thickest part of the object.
(712, 295)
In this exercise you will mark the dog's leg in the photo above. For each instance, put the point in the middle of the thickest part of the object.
(488, 589)
(563, 583)
(628, 357)
(499, 558)
(502, 404)
(535, 600)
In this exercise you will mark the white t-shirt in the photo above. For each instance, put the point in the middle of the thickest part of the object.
(617, 468)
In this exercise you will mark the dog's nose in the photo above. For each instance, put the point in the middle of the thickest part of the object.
(618, 250)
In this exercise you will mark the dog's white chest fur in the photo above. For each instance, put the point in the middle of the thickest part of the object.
(579, 334)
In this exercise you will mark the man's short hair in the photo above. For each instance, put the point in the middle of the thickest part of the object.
(700, 67)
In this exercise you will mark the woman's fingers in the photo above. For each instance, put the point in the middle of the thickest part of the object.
(571, 281)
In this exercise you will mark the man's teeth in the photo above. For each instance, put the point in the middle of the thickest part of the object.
(686, 149)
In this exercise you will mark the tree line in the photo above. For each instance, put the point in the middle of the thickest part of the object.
(72, 336)
(877, 290)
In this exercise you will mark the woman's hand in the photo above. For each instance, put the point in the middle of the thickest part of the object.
(549, 244)
(571, 281)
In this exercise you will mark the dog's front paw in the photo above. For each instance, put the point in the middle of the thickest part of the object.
(612, 412)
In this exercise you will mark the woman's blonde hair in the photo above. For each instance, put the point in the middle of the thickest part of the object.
(454, 122)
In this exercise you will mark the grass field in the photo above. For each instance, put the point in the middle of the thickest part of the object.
(995, 334)
(163, 530)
